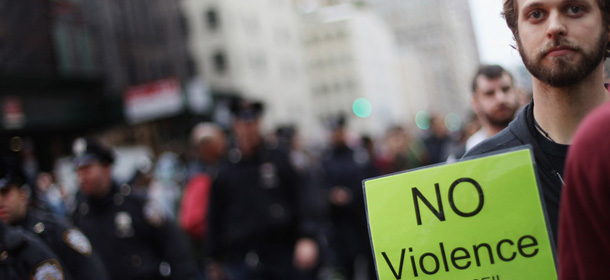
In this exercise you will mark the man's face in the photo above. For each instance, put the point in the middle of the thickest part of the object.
(561, 41)
(13, 204)
(495, 100)
(247, 133)
(338, 136)
(94, 179)
(213, 148)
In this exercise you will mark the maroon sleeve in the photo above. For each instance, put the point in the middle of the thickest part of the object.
(584, 227)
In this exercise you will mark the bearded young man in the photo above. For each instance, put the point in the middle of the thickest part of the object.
(494, 100)
(563, 44)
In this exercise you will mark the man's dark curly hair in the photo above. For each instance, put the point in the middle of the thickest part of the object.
(510, 13)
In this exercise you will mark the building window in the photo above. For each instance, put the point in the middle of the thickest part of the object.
(211, 17)
(191, 67)
(220, 62)
(183, 25)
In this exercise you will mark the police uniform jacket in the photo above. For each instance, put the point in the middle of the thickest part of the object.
(258, 204)
(68, 243)
(346, 167)
(24, 256)
(133, 236)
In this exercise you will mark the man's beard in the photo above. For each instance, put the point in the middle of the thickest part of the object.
(563, 72)
(501, 121)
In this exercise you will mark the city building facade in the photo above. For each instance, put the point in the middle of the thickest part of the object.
(252, 49)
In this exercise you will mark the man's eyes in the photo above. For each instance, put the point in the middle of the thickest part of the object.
(575, 10)
(535, 14)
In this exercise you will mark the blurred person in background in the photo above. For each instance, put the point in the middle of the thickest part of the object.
(143, 176)
(210, 145)
(134, 235)
(24, 256)
(303, 160)
(289, 142)
(166, 185)
(403, 152)
(51, 193)
(494, 100)
(341, 175)
(66, 241)
(438, 143)
(370, 146)
(259, 220)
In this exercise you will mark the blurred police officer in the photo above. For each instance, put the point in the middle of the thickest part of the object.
(343, 170)
(133, 235)
(66, 241)
(259, 226)
(25, 256)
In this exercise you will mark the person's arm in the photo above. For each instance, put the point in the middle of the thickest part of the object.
(80, 257)
(306, 250)
(31, 257)
(170, 242)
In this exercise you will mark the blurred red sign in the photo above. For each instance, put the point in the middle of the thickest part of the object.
(12, 113)
(153, 100)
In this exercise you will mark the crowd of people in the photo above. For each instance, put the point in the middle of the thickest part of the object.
(258, 207)
(250, 206)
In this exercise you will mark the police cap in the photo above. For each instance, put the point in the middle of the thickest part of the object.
(337, 122)
(87, 150)
(11, 174)
(246, 110)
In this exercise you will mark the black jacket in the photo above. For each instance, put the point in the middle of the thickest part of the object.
(258, 203)
(133, 236)
(68, 243)
(522, 131)
(347, 167)
(24, 256)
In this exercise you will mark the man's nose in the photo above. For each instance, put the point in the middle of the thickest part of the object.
(556, 26)
(502, 96)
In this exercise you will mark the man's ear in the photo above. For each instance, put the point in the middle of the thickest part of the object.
(474, 103)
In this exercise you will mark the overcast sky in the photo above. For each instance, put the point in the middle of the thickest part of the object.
(494, 39)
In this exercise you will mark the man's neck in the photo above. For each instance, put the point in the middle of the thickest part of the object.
(249, 148)
(20, 219)
(558, 111)
(103, 192)
(491, 130)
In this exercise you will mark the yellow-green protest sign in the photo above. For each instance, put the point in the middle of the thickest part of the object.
(471, 220)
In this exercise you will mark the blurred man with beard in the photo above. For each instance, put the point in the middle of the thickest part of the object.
(563, 44)
(494, 100)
